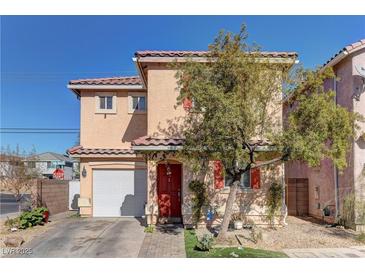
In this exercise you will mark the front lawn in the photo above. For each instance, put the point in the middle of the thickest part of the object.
(228, 252)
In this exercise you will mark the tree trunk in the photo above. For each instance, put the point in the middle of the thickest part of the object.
(228, 211)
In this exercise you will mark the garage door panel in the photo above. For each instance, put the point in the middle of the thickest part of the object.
(119, 193)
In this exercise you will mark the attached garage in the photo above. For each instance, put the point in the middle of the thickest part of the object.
(119, 193)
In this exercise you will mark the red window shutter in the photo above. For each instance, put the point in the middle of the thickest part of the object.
(218, 176)
(255, 178)
(187, 103)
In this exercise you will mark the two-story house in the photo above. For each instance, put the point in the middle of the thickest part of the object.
(51, 165)
(123, 118)
(321, 192)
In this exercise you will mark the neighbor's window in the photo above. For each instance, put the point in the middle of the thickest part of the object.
(137, 103)
(244, 182)
(49, 165)
(31, 164)
(106, 102)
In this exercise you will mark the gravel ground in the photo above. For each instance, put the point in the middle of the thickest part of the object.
(30, 233)
(300, 233)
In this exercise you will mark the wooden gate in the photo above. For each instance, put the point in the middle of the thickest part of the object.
(297, 198)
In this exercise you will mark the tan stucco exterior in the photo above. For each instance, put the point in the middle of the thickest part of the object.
(110, 130)
(91, 164)
(164, 118)
(250, 203)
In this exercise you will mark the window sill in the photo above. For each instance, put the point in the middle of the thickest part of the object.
(225, 190)
(105, 112)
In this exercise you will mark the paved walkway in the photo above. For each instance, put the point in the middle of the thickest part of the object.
(167, 241)
(349, 252)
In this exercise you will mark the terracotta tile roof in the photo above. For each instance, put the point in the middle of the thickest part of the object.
(350, 49)
(355, 45)
(79, 150)
(189, 53)
(125, 80)
(151, 141)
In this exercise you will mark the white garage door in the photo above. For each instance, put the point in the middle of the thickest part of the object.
(119, 193)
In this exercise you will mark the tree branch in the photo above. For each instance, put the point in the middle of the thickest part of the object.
(272, 161)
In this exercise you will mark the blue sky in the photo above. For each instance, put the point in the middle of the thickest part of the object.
(40, 54)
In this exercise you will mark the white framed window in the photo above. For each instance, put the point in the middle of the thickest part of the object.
(137, 103)
(245, 181)
(31, 164)
(105, 102)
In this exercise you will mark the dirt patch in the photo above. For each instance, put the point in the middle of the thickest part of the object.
(299, 233)
(32, 232)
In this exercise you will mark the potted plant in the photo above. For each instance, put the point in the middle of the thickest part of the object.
(326, 211)
(237, 222)
(45, 213)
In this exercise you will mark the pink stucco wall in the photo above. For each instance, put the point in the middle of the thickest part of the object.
(350, 179)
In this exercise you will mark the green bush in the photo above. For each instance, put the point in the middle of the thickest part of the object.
(274, 201)
(149, 229)
(199, 199)
(32, 218)
(361, 237)
(205, 243)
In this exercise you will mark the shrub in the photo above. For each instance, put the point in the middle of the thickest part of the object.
(12, 222)
(205, 243)
(361, 237)
(347, 218)
(32, 218)
(274, 200)
(149, 229)
(199, 199)
(256, 234)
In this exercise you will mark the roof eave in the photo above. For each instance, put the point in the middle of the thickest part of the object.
(140, 71)
(156, 148)
(335, 60)
(161, 59)
(77, 87)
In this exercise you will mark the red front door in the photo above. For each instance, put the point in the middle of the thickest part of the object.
(169, 190)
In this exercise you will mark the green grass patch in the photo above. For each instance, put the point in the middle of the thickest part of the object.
(192, 252)
(75, 215)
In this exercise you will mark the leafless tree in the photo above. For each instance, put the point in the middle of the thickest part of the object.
(16, 175)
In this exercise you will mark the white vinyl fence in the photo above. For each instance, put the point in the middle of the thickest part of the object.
(74, 194)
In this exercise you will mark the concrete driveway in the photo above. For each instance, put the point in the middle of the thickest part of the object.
(90, 238)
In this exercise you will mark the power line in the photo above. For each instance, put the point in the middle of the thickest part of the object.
(39, 132)
(24, 130)
(29, 128)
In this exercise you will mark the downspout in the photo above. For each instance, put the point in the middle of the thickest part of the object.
(284, 209)
(335, 170)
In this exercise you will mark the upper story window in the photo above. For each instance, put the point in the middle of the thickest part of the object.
(105, 102)
(137, 103)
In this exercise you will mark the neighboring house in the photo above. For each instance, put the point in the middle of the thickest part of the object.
(124, 117)
(52, 165)
(316, 191)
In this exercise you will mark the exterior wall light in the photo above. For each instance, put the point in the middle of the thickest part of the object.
(84, 173)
